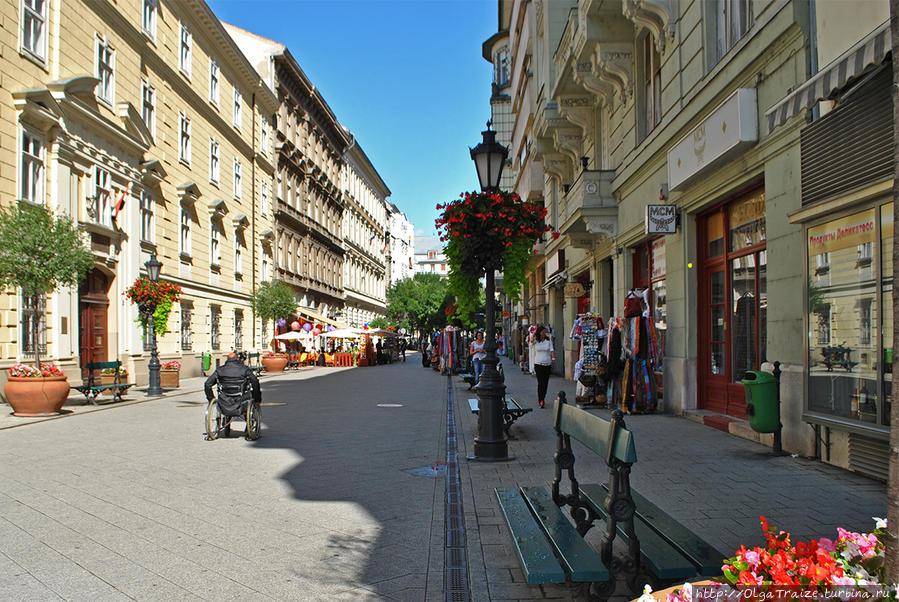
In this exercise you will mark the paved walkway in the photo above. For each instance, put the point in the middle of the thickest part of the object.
(343, 496)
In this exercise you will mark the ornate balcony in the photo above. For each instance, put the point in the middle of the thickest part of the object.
(589, 208)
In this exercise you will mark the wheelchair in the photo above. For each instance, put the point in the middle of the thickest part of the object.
(219, 418)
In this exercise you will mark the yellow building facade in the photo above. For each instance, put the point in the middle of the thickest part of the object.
(143, 121)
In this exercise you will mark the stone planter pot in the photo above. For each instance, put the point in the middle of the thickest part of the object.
(169, 379)
(108, 379)
(36, 396)
(274, 363)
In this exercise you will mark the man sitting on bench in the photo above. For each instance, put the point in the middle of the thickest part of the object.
(237, 386)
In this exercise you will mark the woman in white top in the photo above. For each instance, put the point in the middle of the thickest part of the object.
(544, 356)
(476, 350)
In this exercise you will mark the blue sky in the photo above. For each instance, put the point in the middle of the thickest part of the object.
(406, 76)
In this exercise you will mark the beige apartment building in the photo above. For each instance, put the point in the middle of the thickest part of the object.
(755, 135)
(151, 104)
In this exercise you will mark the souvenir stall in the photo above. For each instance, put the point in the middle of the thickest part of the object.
(632, 351)
(590, 369)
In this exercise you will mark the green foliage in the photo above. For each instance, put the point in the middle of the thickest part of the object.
(487, 231)
(419, 302)
(274, 300)
(379, 322)
(40, 252)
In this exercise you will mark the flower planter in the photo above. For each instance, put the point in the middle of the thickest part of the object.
(274, 363)
(42, 396)
(169, 379)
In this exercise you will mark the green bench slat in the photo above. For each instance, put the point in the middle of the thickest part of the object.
(578, 558)
(660, 556)
(536, 555)
(473, 404)
(593, 432)
(704, 557)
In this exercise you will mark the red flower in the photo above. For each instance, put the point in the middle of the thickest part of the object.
(555, 235)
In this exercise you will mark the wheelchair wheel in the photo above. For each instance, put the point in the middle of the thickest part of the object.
(254, 417)
(213, 420)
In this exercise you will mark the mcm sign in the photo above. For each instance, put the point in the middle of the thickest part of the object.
(661, 219)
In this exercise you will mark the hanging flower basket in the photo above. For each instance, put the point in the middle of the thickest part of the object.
(493, 230)
(154, 298)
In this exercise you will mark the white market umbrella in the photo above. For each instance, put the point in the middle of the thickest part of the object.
(342, 333)
(294, 335)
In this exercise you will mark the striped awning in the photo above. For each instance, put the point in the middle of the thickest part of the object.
(868, 52)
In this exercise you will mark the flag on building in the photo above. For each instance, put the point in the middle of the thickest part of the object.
(120, 203)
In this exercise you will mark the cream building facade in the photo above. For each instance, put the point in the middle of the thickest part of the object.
(708, 113)
(402, 246)
(151, 105)
(366, 239)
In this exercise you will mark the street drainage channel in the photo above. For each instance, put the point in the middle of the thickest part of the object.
(455, 576)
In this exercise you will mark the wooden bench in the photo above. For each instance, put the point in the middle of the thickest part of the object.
(254, 362)
(512, 411)
(91, 387)
(469, 378)
(660, 551)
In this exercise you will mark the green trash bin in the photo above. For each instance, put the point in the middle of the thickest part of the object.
(207, 362)
(761, 401)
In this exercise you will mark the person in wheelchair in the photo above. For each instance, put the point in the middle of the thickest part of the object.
(237, 386)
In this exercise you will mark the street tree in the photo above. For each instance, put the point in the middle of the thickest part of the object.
(418, 303)
(40, 252)
(273, 300)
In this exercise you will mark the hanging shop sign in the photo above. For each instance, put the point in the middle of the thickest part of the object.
(661, 219)
(730, 128)
(574, 289)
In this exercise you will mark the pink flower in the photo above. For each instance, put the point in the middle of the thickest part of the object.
(827, 544)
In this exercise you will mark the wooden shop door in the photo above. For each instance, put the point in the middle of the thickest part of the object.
(93, 311)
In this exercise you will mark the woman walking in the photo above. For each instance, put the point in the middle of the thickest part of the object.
(544, 356)
(476, 350)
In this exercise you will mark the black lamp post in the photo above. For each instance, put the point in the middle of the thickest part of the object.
(153, 389)
(490, 445)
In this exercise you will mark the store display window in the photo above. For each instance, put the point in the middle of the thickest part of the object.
(850, 333)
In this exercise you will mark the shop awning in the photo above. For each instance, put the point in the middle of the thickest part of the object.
(869, 52)
(316, 317)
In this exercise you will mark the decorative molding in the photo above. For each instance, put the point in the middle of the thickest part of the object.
(603, 226)
(241, 222)
(152, 172)
(658, 16)
(188, 193)
(579, 111)
(614, 64)
(217, 209)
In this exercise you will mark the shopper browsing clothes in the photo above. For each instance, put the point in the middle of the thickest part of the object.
(544, 356)
(476, 350)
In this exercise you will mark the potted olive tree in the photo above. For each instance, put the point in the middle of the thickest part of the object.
(273, 301)
(39, 253)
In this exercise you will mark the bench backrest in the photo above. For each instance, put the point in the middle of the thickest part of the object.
(91, 366)
(594, 432)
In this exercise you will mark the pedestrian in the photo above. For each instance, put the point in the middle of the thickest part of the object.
(403, 348)
(237, 386)
(379, 351)
(544, 356)
(476, 350)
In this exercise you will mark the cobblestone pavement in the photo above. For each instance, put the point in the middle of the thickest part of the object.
(343, 496)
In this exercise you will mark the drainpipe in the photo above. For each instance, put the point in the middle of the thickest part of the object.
(812, 62)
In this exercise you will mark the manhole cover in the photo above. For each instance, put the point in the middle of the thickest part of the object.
(432, 472)
(390, 405)
(273, 403)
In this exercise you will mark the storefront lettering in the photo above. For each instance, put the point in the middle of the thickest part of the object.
(827, 237)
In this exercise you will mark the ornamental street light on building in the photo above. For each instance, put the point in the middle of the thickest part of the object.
(153, 389)
(490, 445)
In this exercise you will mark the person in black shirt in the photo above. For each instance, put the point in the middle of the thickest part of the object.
(237, 386)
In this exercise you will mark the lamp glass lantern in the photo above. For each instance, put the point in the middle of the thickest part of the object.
(489, 159)
(153, 267)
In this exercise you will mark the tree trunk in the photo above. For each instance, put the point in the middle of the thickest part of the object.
(892, 542)
(36, 319)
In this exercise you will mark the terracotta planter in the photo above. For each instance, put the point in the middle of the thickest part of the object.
(274, 363)
(169, 379)
(107, 379)
(36, 396)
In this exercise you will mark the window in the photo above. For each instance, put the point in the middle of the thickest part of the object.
(263, 135)
(213, 82)
(236, 108)
(238, 253)
(652, 85)
(215, 251)
(502, 68)
(149, 20)
(237, 174)
(864, 320)
(185, 232)
(102, 196)
(105, 71)
(238, 329)
(32, 314)
(148, 107)
(214, 170)
(186, 343)
(215, 319)
(146, 216)
(263, 274)
(185, 55)
(184, 146)
(32, 165)
(264, 198)
(733, 18)
(34, 28)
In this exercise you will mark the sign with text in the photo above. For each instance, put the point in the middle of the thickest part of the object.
(661, 219)
(574, 289)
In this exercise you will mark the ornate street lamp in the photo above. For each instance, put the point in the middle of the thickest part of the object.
(490, 445)
(154, 389)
